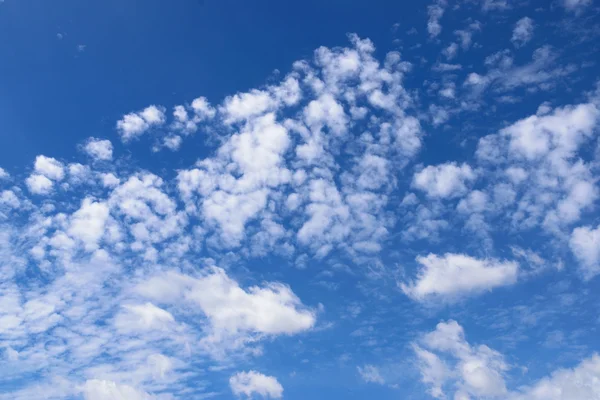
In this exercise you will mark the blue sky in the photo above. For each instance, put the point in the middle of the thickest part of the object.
(392, 200)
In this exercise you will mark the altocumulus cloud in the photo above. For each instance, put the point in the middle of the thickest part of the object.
(118, 282)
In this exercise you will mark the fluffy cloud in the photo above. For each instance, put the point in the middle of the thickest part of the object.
(88, 223)
(268, 162)
(585, 245)
(538, 158)
(4, 174)
(187, 118)
(9, 198)
(143, 317)
(49, 167)
(473, 371)
(270, 310)
(578, 383)
(133, 125)
(118, 299)
(254, 383)
(444, 180)
(523, 31)
(447, 362)
(39, 184)
(452, 276)
(99, 149)
(435, 12)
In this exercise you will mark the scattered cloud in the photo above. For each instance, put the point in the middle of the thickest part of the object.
(135, 124)
(99, 149)
(254, 383)
(453, 276)
(444, 180)
(371, 374)
(473, 371)
(435, 12)
(448, 363)
(576, 6)
(523, 32)
(585, 245)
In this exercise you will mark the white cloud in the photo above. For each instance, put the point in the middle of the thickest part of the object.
(523, 31)
(133, 125)
(579, 383)
(145, 316)
(445, 67)
(435, 12)
(242, 106)
(472, 371)
(201, 111)
(540, 153)
(271, 310)
(49, 167)
(326, 111)
(109, 180)
(4, 174)
(78, 173)
(452, 276)
(450, 51)
(254, 383)
(541, 74)
(88, 223)
(371, 374)
(434, 371)
(9, 198)
(444, 180)
(172, 142)
(99, 149)
(491, 5)
(95, 389)
(563, 130)
(466, 35)
(575, 6)
(585, 245)
(323, 177)
(39, 184)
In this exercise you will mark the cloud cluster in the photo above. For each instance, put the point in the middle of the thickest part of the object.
(452, 276)
(118, 283)
(254, 383)
(447, 362)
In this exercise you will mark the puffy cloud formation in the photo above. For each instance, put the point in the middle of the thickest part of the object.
(122, 282)
(49, 167)
(435, 12)
(135, 124)
(39, 184)
(585, 245)
(233, 314)
(453, 276)
(523, 31)
(447, 362)
(99, 149)
(254, 383)
(579, 382)
(474, 371)
(270, 162)
(445, 180)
